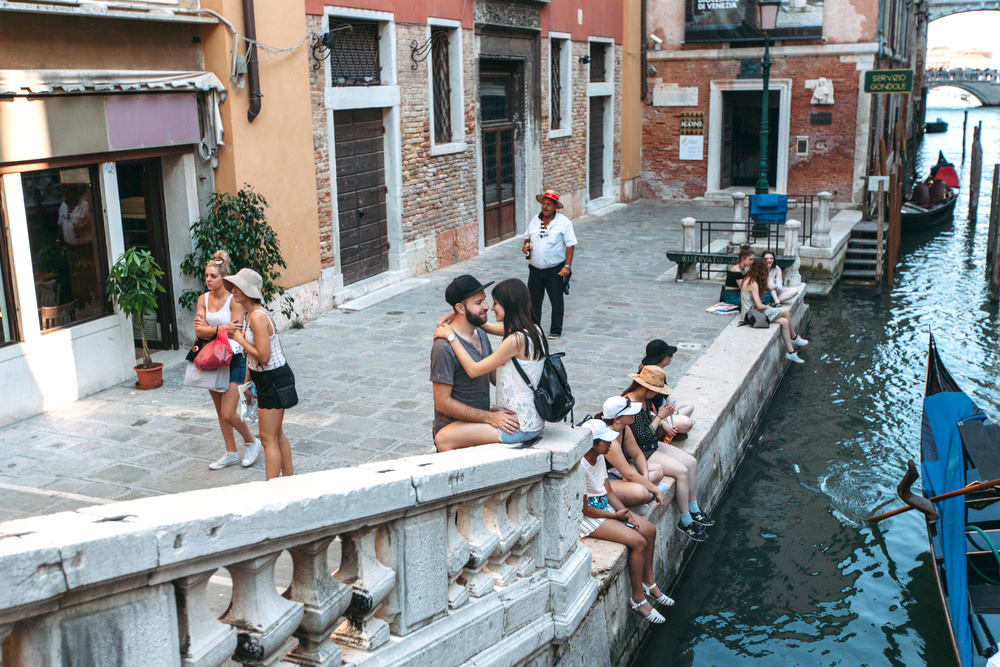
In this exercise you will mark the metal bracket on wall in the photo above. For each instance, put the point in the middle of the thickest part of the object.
(419, 52)
(324, 43)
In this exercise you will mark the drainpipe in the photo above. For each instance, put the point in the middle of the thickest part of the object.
(253, 72)
(644, 59)
(881, 36)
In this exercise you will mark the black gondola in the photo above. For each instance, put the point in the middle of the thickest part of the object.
(922, 212)
(936, 127)
(959, 446)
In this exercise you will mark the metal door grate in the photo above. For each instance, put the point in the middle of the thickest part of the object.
(597, 71)
(556, 76)
(442, 85)
(354, 59)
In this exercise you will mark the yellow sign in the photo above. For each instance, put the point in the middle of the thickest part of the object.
(881, 81)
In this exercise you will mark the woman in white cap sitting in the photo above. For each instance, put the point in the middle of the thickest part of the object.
(605, 517)
(268, 369)
(630, 484)
(668, 460)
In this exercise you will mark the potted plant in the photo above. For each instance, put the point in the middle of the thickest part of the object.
(132, 287)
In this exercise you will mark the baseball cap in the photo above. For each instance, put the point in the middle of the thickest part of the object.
(462, 288)
(619, 406)
(600, 430)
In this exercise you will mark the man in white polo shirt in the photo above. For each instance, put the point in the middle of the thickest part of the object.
(549, 243)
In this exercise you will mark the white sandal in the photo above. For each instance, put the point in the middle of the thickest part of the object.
(664, 599)
(654, 616)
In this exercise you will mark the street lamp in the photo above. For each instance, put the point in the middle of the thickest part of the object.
(768, 14)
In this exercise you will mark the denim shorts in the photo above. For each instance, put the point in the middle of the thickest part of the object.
(519, 436)
(238, 369)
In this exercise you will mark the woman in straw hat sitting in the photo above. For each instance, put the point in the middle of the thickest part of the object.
(268, 369)
(668, 461)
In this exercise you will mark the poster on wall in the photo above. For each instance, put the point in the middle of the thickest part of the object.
(737, 20)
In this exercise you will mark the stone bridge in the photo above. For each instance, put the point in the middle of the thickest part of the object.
(983, 83)
(937, 9)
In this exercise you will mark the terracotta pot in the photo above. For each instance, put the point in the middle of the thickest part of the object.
(149, 378)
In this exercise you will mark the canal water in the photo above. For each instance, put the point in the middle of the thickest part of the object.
(792, 574)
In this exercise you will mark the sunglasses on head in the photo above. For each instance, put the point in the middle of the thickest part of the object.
(628, 403)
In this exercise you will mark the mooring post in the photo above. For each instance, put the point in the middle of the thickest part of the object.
(992, 232)
(879, 237)
(993, 251)
(740, 220)
(975, 171)
(690, 244)
(965, 122)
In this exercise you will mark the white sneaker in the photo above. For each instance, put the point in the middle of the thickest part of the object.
(251, 453)
(799, 341)
(228, 459)
(791, 356)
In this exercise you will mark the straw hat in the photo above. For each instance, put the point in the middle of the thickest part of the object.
(652, 377)
(549, 194)
(249, 282)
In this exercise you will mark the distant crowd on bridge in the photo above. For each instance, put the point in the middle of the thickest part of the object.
(963, 74)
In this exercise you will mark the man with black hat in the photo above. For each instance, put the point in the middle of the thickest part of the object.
(549, 243)
(660, 353)
(459, 399)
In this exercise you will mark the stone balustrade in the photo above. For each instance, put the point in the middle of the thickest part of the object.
(424, 560)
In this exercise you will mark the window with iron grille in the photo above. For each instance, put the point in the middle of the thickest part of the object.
(597, 51)
(555, 101)
(440, 50)
(354, 58)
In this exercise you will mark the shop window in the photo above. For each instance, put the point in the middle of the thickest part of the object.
(68, 255)
(8, 323)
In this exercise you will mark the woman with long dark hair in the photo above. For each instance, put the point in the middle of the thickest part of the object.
(755, 285)
(523, 344)
(735, 274)
(776, 289)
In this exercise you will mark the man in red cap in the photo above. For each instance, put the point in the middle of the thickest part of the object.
(549, 243)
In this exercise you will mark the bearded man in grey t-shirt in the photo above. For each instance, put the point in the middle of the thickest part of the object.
(461, 401)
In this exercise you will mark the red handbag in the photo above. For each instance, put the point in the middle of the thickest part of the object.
(215, 354)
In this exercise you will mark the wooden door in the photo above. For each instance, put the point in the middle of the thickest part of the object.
(498, 158)
(361, 211)
(596, 152)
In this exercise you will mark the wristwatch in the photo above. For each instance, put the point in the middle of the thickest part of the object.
(451, 337)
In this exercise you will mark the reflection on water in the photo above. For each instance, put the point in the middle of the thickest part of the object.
(792, 575)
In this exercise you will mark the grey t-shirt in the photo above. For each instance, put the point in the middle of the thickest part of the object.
(445, 368)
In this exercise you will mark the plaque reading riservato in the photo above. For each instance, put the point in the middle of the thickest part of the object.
(881, 81)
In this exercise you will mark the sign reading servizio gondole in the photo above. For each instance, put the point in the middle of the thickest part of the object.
(736, 20)
(881, 81)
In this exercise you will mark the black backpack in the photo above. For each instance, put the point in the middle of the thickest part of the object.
(553, 397)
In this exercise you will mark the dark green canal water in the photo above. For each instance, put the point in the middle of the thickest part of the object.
(792, 575)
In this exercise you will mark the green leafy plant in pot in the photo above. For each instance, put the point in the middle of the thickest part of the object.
(132, 287)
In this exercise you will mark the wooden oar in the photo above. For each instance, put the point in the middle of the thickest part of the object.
(975, 486)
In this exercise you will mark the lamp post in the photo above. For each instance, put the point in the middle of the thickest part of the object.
(768, 14)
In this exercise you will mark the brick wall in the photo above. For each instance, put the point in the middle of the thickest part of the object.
(829, 164)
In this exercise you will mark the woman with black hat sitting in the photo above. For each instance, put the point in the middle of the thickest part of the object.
(677, 417)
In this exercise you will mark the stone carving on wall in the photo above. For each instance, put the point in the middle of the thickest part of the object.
(823, 93)
(506, 13)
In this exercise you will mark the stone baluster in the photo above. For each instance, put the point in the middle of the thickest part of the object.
(264, 620)
(205, 641)
(458, 556)
(741, 216)
(792, 241)
(690, 244)
(371, 581)
(325, 600)
(521, 555)
(5, 630)
(498, 521)
(482, 543)
(821, 226)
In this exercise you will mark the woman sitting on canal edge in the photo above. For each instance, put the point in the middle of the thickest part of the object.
(754, 285)
(668, 460)
(735, 275)
(605, 517)
(659, 353)
(775, 288)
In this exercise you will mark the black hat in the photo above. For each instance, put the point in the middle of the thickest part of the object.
(462, 288)
(656, 351)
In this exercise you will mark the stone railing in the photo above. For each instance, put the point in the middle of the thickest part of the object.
(424, 560)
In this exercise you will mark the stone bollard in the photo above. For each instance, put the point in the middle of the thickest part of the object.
(205, 642)
(325, 600)
(821, 226)
(792, 242)
(264, 620)
(372, 582)
(740, 220)
(690, 244)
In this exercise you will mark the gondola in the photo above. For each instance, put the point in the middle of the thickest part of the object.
(959, 446)
(917, 216)
(936, 127)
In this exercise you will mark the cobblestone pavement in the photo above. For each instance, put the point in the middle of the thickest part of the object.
(362, 376)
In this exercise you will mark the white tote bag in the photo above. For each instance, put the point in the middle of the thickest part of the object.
(216, 379)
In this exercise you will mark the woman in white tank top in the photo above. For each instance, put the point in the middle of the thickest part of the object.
(216, 310)
(523, 344)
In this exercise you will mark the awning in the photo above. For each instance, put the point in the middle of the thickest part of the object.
(22, 83)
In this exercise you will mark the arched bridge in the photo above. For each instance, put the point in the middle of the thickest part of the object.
(937, 9)
(983, 83)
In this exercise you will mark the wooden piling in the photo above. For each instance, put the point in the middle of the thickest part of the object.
(965, 121)
(975, 171)
(879, 254)
(994, 204)
(895, 209)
